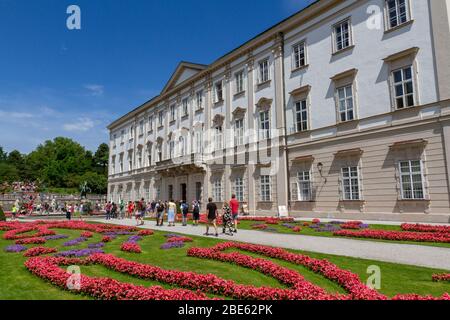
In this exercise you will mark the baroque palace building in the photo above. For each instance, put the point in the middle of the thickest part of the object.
(341, 110)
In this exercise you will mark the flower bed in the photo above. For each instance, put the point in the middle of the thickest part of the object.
(31, 241)
(259, 226)
(15, 248)
(172, 245)
(131, 247)
(78, 253)
(180, 239)
(270, 220)
(396, 235)
(74, 242)
(354, 225)
(56, 237)
(87, 234)
(47, 268)
(144, 233)
(425, 228)
(441, 277)
(107, 239)
(39, 251)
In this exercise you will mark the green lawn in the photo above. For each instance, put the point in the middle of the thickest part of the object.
(17, 283)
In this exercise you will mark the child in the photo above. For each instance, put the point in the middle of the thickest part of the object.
(227, 219)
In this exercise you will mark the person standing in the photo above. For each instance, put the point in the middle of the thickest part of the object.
(14, 212)
(140, 211)
(68, 212)
(108, 208)
(184, 212)
(195, 212)
(211, 209)
(122, 209)
(227, 219)
(159, 207)
(172, 207)
(234, 205)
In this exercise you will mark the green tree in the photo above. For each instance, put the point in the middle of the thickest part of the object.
(8, 172)
(101, 158)
(3, 155)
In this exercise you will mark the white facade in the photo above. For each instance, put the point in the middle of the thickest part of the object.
(320, 87)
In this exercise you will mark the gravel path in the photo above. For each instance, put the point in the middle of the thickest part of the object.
(424, 256)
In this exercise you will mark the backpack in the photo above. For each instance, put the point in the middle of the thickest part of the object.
(160, 208)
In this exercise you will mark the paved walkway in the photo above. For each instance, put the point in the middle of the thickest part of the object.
(425, 256)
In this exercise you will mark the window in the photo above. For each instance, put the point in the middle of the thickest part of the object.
(170, 192)
(265, 192)
(150, 123)
(121, 162)
(239, 82)
(397, 12)
(345, 103)
(113, 165)
(141, 127)
(158, 193)
(161, 118)
(342, 35)
(264, 125)
(198, 142)
(171, 149)
(181, 141)
(411, 175)
(159, 153)
(217, 190)
(218, 138)
(149, 154)
(239, 188)
(301, 115)
(403, 88)
(185, 104)
(199, 99)
(239, 132)
(130, 160)
(264, 71)
(305, 185)
(131, 132)
(218, 92)
(122, 136)
(351, 183)
(299, 55)
(172, 113)
(139, 158)
(198, 191)
(114, 141)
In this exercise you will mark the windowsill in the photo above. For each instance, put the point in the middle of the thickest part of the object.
(415, 200)
(268, 201)
(343, 50)
(160, 127)
(404, 108)
(353, 201)
(218, 102)
(400, 26)
(185, 117)
(300, 68)
(304, 201)
(141, 135)
(345, 122)
(264, 83)
(239, 94)
(199, 109)
(172, 121)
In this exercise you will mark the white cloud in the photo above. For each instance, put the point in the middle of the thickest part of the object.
(81, 125)
(95, 89)
(15, 115)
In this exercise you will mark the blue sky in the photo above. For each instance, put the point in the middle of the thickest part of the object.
(73, 83)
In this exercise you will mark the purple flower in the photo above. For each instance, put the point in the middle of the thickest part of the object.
(289, 225)
(74, 242)
(172, 245)
(15, 248)
(171, 235)
(117, 233)
(96, 245)
(56, 237)
(78, 253)
(134, 239)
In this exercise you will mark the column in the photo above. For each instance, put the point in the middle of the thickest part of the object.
(282, 173)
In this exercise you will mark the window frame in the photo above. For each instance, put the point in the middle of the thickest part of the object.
(349, 179)
(403, 83)
(199, 100)
(296, 113)
(301, 182)
(239, 82)
(410, 175)
(185, 107)
(264, 133)
(239, 132)
(217, 190)
(294, 61)
(239, 188)
(387, 18)
(264, 188)
(261, 72)
(216, 92)
(350, 35)
(346, 98)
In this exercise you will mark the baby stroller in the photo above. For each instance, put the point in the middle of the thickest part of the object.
(227, 220)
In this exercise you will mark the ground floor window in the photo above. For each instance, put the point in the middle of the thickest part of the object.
(351, 183)
(170, 192)
(305, 187)
(239, 188)
(265, 188)
(217, 191)
(198, 191)
(411, 175)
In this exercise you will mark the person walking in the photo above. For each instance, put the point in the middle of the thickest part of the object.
(227, 219)
(184, 212)
(68, 212)
(159, 207)
(234, 205)
(14, 212)
(172, 207)
(114, 210)
(140, 210)
(122, 209)
(211, 209)
(130, 209)
(195, 212)
(108, 208)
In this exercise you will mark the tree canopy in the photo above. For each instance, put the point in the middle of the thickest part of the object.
(58, 163)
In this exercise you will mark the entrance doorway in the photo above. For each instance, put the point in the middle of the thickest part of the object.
(183, 191)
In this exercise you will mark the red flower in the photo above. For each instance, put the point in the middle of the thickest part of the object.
(179, 239)
(106, 239)
(441, 277)
(87, 234)
(396, 235)
(38, 251)
(31, 241)
(131, 247)
(144, 233)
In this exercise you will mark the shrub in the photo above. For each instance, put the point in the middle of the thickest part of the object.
(2, 214)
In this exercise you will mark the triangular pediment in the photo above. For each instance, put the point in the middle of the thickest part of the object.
(184, 71)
